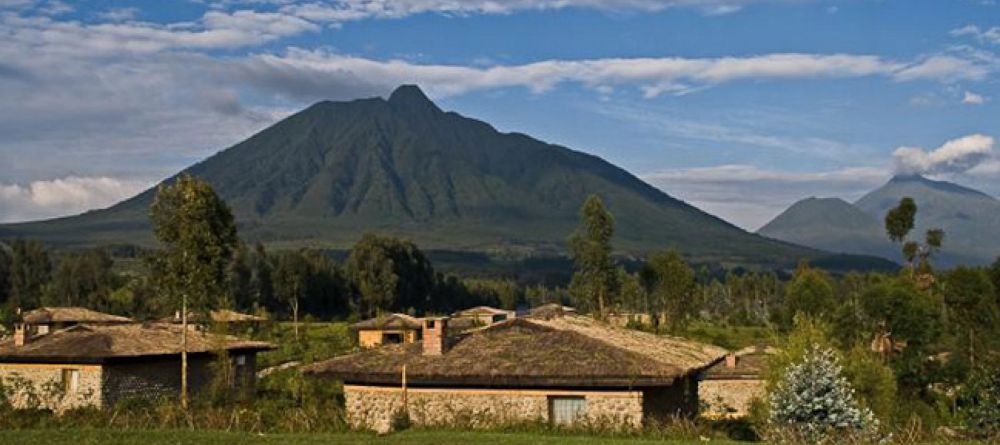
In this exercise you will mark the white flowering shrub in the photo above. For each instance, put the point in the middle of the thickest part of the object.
(814, 403)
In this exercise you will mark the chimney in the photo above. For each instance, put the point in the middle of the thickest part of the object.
(435, 331)
(731, 360)
(21, 334)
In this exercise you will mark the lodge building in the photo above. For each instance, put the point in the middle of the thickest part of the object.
(562, 369)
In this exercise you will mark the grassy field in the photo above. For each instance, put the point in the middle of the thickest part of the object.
(184, 437)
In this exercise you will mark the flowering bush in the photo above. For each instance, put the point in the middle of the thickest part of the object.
(813, 402)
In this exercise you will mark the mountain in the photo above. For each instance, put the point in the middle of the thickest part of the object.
(325, 175)
(830, 224)
(970, 219)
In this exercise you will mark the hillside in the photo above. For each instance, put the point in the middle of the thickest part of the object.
(830, 224)
(323, 176)
(970, 219)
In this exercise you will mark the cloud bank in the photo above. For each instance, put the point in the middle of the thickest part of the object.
(955, 156)
(64, 196)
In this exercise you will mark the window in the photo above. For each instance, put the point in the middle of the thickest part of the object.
(241, 360)
(566, 410)
(392, 338)
(430, 324)
(70, 380)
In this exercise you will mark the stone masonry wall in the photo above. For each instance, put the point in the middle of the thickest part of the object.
(373, 408)
(41, 386)
(729, 398)
(152, 379)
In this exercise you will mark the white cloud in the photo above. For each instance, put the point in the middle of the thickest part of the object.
(301, 71)
(214, 30)
(351, 10)
(991, 35)
(971, 98)
(944, 67)
(119, 14)
(955, 156)
(64, 196)
(749, 196)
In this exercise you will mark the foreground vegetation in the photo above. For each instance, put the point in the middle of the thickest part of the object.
(914, 354)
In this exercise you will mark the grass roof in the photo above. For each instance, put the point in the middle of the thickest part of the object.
(97, 343)
(47, 315)
(389, 321)
(564, 351)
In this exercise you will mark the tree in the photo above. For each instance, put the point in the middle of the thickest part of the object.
(911, 316)
(995, 279)
(261, 281)
(671, 288)
(969, 295)
(900, 219)
(810, 292)
(594, 278)
(815, 401)
(30, 269)
(240, 279)
(389, 273)
(5, 269)
(291, 276)
(198, 235)
(82, 279)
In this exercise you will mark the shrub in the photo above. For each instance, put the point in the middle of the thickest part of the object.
(815, 403)
(980, 401)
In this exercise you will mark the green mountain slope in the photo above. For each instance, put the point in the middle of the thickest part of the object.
(970, 219)
(336, 169)
(830, 224)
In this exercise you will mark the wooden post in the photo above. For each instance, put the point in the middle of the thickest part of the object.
(184, 354)
(406, 404)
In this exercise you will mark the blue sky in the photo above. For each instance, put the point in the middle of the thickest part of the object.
(740, 107)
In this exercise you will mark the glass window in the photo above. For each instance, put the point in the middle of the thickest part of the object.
(566, 410)
(70, 380)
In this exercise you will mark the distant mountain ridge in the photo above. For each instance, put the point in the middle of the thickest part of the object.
(325, 175)
(970, 219)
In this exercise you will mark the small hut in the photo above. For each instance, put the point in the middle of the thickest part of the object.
(387, 329)
(484, 315)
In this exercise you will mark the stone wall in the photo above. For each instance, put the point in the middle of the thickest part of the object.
(42, 385)
(729, 398)
(371, 407)
(152, 379)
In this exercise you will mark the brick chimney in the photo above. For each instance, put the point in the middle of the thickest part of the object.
(731, 360)
(21, 334)
(435, 331)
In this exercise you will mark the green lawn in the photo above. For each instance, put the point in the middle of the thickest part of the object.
(184, 437)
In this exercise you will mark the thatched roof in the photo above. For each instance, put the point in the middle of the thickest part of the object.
(216, 316)
(551, 310)
(389, 321)
(97, 343)
(48, 315)
(482, 310)
(566, 352)
(751, 362)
